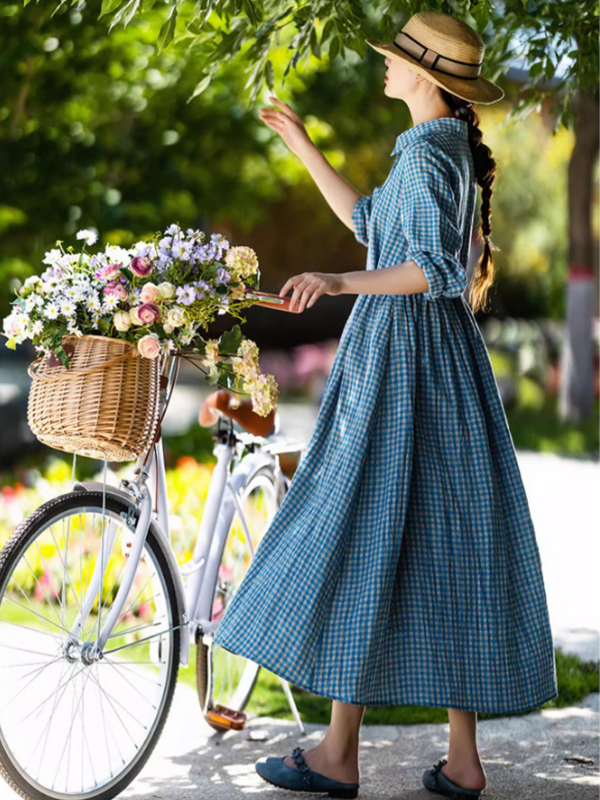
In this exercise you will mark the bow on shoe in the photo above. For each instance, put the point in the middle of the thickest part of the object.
(437, 767)
(302, 765)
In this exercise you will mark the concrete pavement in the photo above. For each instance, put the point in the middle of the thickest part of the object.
(538, 756)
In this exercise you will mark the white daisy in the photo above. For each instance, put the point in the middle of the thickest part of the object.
(52, 257)
(93, 302)
(74, 293)
(72, 328)
(90, 237)
(52, 311)
(37, 327)
(68, 307)
(110, 303)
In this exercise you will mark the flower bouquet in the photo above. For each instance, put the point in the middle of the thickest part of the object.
(140, 305)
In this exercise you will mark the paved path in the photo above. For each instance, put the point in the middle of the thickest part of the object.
(546, 755)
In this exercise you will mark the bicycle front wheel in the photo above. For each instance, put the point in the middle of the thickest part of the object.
(75, 724)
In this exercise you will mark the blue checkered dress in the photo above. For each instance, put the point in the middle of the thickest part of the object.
(402, 566)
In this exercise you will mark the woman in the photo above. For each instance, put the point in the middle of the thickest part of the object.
(402, 566)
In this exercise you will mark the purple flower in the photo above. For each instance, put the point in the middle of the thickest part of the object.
(186, 294)
(222, 275)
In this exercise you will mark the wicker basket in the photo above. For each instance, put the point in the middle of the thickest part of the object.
(106, 405)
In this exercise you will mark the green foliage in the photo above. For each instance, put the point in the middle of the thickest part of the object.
(100, 130)
(537, 426)
(252, 31)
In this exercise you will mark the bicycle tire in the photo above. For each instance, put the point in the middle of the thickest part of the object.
(9, 555)
(203, 652)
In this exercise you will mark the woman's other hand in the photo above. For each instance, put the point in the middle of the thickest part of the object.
(288, 125)
(309, 286)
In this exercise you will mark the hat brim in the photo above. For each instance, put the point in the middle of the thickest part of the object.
(477, 91)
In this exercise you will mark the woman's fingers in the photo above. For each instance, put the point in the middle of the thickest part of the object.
(285, 109)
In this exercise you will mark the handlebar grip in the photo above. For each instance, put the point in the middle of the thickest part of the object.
(271, 301)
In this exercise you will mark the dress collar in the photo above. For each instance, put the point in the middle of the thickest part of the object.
(454, 125)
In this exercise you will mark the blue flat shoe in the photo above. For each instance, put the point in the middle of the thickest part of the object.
(435, 780)
(303, 779)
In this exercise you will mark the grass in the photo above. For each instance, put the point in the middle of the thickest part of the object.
(576, 679)
(541, 430)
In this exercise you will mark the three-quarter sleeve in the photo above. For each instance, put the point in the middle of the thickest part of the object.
(361, 216)
(430, 216)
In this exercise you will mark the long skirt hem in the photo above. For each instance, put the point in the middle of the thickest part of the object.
(413, 698)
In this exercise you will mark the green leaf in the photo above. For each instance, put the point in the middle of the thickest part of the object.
(200, 87)
(11, 344)
(167, 31)
(334, 47)
(314, 43)
(269, 74)
(329, 26)
(230, 341)
(535, 69)
(108, 6)
(481, 14)
(127, 273)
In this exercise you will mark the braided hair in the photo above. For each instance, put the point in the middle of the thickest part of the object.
(485, 172)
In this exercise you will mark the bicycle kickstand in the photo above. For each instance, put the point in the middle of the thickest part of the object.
(292, 704)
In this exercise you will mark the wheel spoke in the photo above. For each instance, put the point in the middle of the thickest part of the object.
(71, 727)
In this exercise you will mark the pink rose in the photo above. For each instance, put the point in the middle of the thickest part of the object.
(148, 313)
(115, 289)
(149, 346)
(150, 293)
(108, 272)
(141, 266)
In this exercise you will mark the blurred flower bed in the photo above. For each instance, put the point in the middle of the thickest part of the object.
(187, 485)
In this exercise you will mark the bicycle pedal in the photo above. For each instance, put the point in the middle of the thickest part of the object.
(226, 717)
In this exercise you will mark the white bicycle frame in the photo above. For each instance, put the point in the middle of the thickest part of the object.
(148, 495)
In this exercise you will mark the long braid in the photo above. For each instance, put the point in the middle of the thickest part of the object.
(485, 173)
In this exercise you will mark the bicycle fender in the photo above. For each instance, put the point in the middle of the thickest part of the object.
(167, 550)
(249, 464)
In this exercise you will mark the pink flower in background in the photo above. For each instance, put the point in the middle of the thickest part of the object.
(149, 346)
(115, 289)
(141, 266)
(43, 588)
(148, 313)
(108, 272)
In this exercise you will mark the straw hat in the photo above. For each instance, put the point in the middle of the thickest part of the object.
(447, 51)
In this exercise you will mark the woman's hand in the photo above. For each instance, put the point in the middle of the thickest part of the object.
(287, 124)
(309, 286)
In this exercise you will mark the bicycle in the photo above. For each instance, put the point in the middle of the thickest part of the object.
(96, 614)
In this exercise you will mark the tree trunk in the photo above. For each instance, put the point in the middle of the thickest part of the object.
(577, 384)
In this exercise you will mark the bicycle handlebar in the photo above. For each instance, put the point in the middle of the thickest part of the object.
(271, 301)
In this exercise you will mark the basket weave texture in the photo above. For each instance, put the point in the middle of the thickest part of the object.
(105, 405)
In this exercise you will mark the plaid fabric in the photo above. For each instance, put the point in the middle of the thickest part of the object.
(402, 566)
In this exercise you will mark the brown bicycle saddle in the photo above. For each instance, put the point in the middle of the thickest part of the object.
(220, 403)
